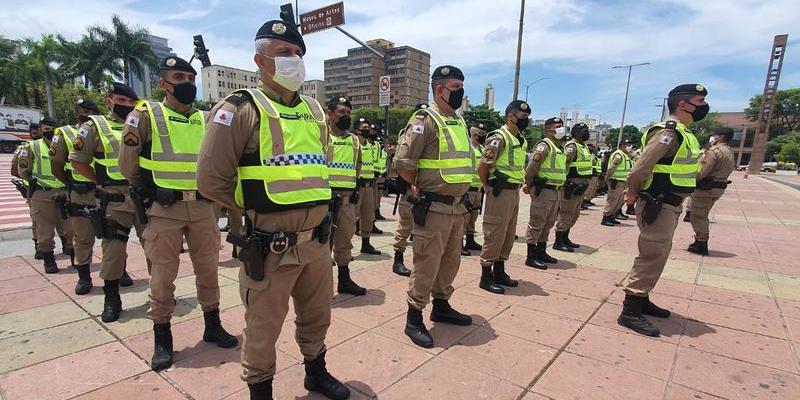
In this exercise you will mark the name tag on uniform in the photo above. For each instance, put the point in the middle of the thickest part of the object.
(177, 119)
(289, 116)
(451, 122)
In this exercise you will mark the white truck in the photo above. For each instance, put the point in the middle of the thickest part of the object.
(15, 125)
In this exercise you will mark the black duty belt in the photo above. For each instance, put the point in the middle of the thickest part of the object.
(438, 198)
(503, 184)
(366, 182)
(670, 198)
(82, 187)
(110, 197)
(472, 189)
(551, 187)
(279, 242)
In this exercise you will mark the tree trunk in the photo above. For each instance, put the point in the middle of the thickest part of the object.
(48, 89)
(126, 71)
(37, 98)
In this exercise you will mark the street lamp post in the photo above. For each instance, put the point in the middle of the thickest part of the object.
(531, 84)
(627, 88)
(519, 47)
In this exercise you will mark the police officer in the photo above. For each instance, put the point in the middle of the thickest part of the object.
(34, 165)
(366, 187)
(95, 155)
(477, 136)
(282, 185)
(161, 143)
(23, 186)
(544, 176)
(435, 158)
(579, 167)
(666, 170)
(343, 170)
(380, 178)
(716, 165)
(502, 173)
(619, 165)
(593, 180)
(80, 194)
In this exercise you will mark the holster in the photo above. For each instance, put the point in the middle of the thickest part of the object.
(323, 231)
(612, 184)
(138, 203)
(61, 204)
(252, 251)
(81, 187)
(580, 189)
(98, 219)
(569, 189)
(20, 187)
(419, 208)
(538, 185)
(652, 207)
(705, 184)
(354, 197)
(396, 185)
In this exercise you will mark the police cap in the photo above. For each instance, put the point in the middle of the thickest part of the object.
(172, 63)
(362, 121)
(47, 120)
(122, 90)
(447, 72)
(694, 89)
(279, 29)
(724, 131)
(518, 105)
(552, 121)
(580, 127)
(421, 106)
(479, 130)
(87, 105)
(336, 101)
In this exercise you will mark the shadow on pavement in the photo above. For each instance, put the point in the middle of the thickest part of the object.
(720, 254)
(375, 297)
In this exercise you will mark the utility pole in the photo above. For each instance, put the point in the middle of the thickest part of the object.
(519, 48)
(627, 88)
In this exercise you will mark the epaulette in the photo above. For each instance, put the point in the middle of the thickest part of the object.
(236, 98)
(671, 125)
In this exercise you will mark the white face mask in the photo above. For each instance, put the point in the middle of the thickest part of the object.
(712, 140)
(560, 132)
(629, 148)
(290, 72)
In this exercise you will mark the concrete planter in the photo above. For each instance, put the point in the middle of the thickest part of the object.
(784, 172)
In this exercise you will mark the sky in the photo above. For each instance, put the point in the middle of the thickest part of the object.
(723, 44)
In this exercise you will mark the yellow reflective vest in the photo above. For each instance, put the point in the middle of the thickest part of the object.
(107, 163)
(511, 162)
(679, 172)
(342, 168)
(67, 134)
(554, 166)
(41, 170)
(455, 162)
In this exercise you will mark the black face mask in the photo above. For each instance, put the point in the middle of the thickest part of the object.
(456, 96)
(83, 118)
(699, 112)
(122, 111)
(481, 139)
(522, 123)
(343, 123)
(47, 135)
(364, 132)
(184, 92)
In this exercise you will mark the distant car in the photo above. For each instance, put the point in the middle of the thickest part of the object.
(765, 167)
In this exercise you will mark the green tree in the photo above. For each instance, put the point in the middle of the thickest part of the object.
(533, 134)
(46, 52)
(398, 118)
(630, 133)
(130, 45)
(785, 114)
(89, 58)
(703, 128)
(790, 152)
(481, 114)
(775, 145)
(65, 98)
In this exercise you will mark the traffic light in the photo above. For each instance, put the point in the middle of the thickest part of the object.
(200, 51)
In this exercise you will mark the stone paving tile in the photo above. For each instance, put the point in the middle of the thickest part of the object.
(288, 384)
(33, 319)
(72, 375)
(187, 340)
(547, 329)
(576, 377)
(732, 379)
(534, 396)
(214, 374)
(789, 308)
(738, 279)
(736, 318)
(735, 298)
(678, 392)
(580, 287)
(444, 335)
(785, 286)
(21, 284)
(578, 308)
(30, 299)
(793, 325)
(673, 288)
(147, 386)
(671, 328)
(368, 311)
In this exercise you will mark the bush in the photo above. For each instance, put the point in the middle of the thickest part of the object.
(787, 166)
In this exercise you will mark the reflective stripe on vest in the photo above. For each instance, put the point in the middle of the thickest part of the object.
(511, 163)
(624, 166)
(175, 145)
(596, 165)
(554, 166)
(477, 152)
(454, 162)
(342, 169)
(682, 171)
(380, 160)
(367, 162)
(67, 133)
(110, 139)
(42, 171)
(583, 159)
(293, 168)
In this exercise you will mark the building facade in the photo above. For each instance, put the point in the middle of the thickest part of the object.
(218, 81)
(356, 75)
(488, 97)
(144, 87)
(314, 88)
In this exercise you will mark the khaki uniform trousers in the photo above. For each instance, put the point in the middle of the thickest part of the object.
(474, 198)
(378, 193)
(437, 257)
(499, 225)
(655, 243)
(304, 273)
(83, 241)
(544, 209)
(404, 226)
(163, 240)
(615, 197)
(48, 222)
(701, 203)
(366, 208)
(345, 226)
(568, 212)
(592, 189)
(115, 254)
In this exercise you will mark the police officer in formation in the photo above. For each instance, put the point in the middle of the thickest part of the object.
(95, 156)
(436, 159)
(716, 165)
(343, 171)
(366, 187)
(579, 167)
(477, 135)
(380, 178)
(265, 150)
(666, 171)
(619, 166)
(591, 192)
(545, 175)
(23, 184)
(80, 194)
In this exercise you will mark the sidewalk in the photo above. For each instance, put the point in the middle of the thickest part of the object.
(734, 333)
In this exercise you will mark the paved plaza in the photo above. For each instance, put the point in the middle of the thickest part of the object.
(734, 333)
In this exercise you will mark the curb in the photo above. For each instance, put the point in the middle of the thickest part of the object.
(15, 234)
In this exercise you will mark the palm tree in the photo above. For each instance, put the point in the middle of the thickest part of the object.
(88, 58)
(45, 52)
(130, 45)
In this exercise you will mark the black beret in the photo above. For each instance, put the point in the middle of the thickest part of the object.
(279, 29)
(33, 125)
(362, 121)
(88, 105)
(518, 105)
(421, 106)
(176, 64)
(553, 121)
(689, 88)
(122, 90)
(724, 131)
(341, 100)
(46, 120)
(447, 72)
(579, 127)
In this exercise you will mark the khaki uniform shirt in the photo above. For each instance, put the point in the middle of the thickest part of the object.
(613, 163)
(421, 141)
(717, 162)
(495, 145)
(540, 153)
(660, 143)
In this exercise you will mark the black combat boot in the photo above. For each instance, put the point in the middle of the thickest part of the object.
(487, 282)
(630, 210)
(215, 333)
(261, 390)
(378, 216)
(443, 312)
(162, 347)
(346, 284)
(366, 247)
(699, 247)
(560, 245)
(500, 276)
(648, 308)
(225, 228)
(398, 267)
(532, 259)
(415, 328)
(50, 265)
(112, 303)
(464, 251)
(84, 284)
(375, 230)
(687, 217)
(125, 280)
(620, 215)
(585, 205)
(319, 380)
(608, 220)
(632, 318)
(472, 244)
(543, 256)
(569, 242)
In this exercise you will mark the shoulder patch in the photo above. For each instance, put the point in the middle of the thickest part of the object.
(56, 138)
(78, 143)
(131, 139)
(418, 128)
(488, 153)
(236, 99)
(495, 143)
(223, 117)
(23, 153)
(541, 147)
(83, 132)
(132, 120)
(665, 139)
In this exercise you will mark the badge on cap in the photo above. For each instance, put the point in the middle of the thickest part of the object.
(445, 71)
(699, 88)
(279, 28)
(170, 62)
(424, 106)
(557, 120)
(523, 106)
(342, 99)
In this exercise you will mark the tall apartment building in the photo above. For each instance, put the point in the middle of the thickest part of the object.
(488, 96)
(356, 75)
(144, 87)
(314, 88)
(219, 81)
